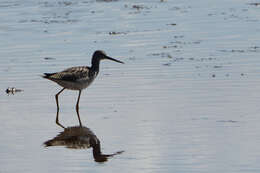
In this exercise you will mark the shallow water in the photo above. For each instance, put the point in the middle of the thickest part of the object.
(186, 99)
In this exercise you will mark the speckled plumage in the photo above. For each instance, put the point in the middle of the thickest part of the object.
(74, 78)
(77, 78)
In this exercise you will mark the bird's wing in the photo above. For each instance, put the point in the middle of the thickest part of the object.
(72, 74)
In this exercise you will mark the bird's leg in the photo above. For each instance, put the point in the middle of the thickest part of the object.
(58, 108)
(77, 108)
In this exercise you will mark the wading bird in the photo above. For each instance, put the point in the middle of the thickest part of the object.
(77, 78)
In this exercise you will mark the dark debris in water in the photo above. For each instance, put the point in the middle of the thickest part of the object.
(162, 54)
(138, 7)
(116, 33)
(65, 3)
(204, 59)
(254, 49)
(172, 24)
(186, 42)
(178, 59)
(228, 75)
(173, 46)
(249, 49)
(178, 36)
(53, 21)
(254, 3)
(181, 9)
(217, 66)
(167, 64)
(12, 90)
(57, 3)
(236, 14)
(49, 58)
(233, 50)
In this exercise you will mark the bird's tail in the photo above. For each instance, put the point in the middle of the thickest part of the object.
(47, 75)
(48, 143)
(54, 142)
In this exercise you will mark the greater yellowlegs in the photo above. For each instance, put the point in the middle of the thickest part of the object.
(80, 137)
(77, 78)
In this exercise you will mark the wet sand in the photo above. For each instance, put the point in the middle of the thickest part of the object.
(186, 99)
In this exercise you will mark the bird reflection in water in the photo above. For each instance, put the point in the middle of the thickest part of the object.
(80, 137)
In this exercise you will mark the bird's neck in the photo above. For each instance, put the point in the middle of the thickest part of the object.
(97, 154)
(95, 64)
(97, 151)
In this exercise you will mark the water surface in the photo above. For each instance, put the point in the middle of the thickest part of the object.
(186, 99)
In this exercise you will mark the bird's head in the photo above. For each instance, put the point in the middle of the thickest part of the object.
(101, 55)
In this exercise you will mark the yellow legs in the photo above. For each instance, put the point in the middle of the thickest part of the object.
(58, 108)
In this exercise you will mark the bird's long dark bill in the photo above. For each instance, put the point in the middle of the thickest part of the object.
(112, 59)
